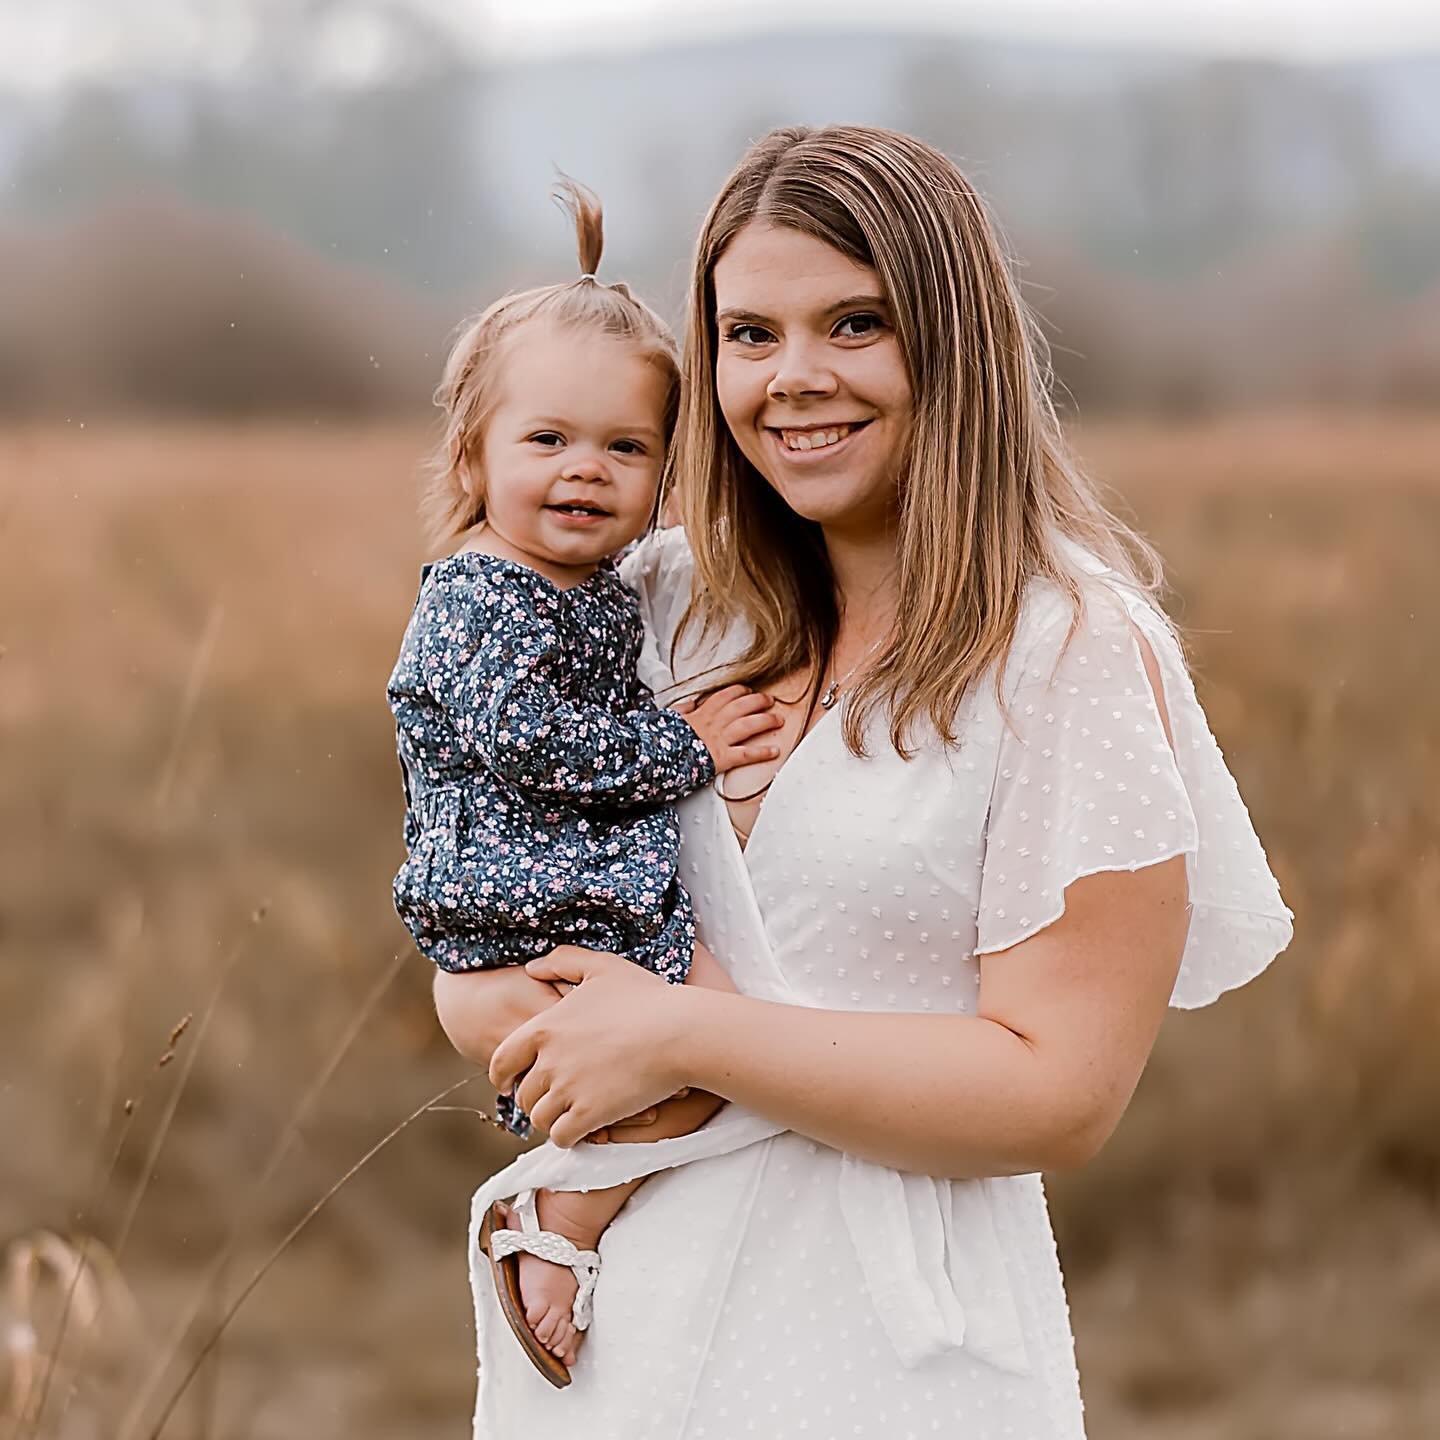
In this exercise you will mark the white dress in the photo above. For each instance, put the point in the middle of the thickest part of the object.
(759, 1284)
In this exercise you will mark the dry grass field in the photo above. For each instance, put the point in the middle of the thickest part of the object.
(202, 816)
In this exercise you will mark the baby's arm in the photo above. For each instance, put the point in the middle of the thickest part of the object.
(477, 1009)
(497, 666)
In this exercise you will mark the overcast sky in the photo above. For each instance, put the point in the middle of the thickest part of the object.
(48, 43)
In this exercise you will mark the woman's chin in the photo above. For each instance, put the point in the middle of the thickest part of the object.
(838, 512)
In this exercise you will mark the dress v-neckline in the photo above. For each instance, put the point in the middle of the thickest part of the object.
(746, 848)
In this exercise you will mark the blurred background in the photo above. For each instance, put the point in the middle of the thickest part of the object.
(233, 241)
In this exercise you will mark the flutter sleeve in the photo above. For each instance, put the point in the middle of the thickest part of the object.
(1086, 781)
(495, 665)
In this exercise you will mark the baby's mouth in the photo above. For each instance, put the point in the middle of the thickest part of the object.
(577, 508)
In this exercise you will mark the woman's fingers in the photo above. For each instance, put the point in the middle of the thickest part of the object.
(570, 964)
(570, 1128)
(532, 1089)
(514, 1056)
(545, 1113)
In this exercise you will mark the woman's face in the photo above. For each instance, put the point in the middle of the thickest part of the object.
(809, 375)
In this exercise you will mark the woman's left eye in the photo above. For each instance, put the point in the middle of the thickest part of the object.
(858, 326)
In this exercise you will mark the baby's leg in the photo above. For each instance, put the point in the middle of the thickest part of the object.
(581, 1217)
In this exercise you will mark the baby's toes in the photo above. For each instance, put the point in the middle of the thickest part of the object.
(567, 1346)
(549, 1327)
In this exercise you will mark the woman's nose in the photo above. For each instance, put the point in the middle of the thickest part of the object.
(800, 370)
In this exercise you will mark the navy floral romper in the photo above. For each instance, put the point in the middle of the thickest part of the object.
(540, 778)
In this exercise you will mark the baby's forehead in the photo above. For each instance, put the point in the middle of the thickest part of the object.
(581, 377)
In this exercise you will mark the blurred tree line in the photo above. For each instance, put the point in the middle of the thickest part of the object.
(1194, 234)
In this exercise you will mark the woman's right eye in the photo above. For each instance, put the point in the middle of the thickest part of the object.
(747, 335)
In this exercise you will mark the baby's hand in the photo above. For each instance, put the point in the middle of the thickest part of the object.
(729, 722)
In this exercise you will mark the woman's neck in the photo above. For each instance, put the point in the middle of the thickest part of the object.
(864, 567)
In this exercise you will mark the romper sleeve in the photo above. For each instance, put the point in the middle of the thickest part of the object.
(1086, 781)
(496, 671)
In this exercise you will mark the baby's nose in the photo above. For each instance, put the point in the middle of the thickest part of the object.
(586, 467)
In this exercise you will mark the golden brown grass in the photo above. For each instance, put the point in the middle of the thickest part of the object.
(197, 624)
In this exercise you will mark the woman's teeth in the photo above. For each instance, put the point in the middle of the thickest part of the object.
(814, 439)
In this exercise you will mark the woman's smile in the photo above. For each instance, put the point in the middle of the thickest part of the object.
(806, 443)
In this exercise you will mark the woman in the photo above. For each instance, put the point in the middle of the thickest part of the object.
(1001, 840)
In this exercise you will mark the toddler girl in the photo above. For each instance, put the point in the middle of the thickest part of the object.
(539, 775)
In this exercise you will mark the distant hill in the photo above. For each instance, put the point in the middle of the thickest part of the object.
(1167, 184)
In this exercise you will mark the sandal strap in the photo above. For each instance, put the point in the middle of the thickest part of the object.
(547, 1245)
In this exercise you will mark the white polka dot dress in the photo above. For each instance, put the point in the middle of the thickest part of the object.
(760, 1284)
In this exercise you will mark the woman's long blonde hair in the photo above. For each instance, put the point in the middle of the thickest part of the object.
(452, 498)
(988, 491)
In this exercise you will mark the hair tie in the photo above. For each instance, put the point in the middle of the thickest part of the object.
(590, 275)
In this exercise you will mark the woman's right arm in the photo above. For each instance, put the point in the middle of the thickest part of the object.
(477, 1009)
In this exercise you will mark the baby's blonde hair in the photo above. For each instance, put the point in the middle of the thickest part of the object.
(449, 505)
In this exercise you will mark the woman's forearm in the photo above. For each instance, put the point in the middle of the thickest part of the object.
(1037, 1080)
(963, 1097)
(477, 1009)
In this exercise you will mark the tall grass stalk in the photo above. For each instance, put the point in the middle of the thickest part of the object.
(267, 1264)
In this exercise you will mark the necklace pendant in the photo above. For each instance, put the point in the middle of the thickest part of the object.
(827, 700)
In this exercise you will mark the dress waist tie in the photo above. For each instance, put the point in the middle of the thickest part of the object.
(933, 1264)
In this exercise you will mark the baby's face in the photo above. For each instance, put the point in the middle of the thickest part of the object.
(573, 449)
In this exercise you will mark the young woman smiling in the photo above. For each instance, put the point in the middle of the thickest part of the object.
(999, 840)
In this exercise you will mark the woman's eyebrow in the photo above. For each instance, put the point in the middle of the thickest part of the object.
(854, 302)
(850, 302)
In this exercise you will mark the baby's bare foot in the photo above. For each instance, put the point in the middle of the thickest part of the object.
(548, 1291)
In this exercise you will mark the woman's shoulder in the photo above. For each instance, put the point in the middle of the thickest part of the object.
(660, 567)
(1102, 608)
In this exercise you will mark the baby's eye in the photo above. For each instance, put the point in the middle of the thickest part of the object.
(859, 326)
(547, 438)
(628, 447)
(747, 335)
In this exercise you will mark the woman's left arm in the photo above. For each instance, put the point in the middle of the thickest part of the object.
(1037, 1080)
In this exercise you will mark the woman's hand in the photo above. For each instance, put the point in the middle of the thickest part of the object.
(601, 1054)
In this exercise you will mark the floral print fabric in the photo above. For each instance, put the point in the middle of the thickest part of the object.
(540, 777)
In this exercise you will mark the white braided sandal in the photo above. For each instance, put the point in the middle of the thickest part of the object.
(502, 1245)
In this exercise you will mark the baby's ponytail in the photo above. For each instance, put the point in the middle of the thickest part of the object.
(582, 205)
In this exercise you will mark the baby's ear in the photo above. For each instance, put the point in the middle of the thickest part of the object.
(472, 478)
